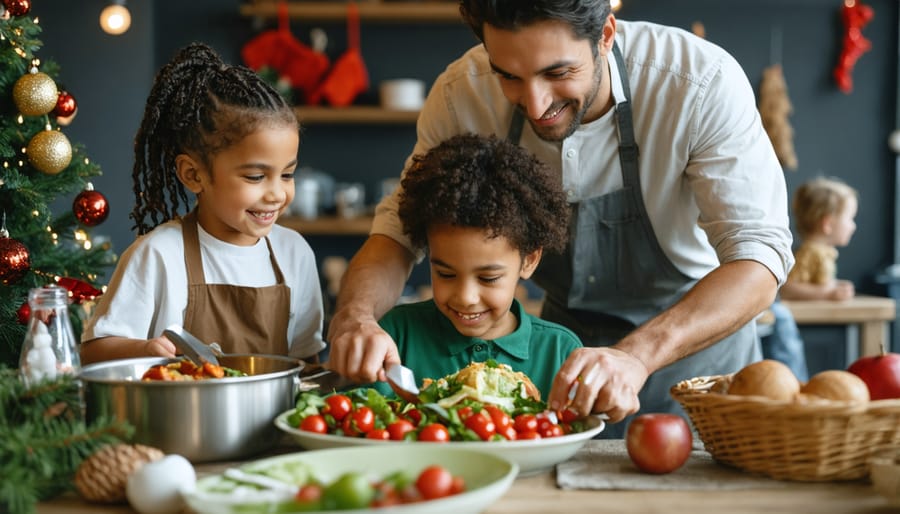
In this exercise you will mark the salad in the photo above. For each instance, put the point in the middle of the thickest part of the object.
(482, 402)
(294, 487)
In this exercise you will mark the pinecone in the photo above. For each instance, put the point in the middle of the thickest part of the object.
(101, 478)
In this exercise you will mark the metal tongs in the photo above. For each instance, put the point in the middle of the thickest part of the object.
(403, 381)
(193, 348)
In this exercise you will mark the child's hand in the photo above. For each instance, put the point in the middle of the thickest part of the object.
(159, 347)
(841, 290)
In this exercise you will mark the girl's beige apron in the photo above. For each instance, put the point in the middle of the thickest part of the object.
(241, 319)
(613, 276)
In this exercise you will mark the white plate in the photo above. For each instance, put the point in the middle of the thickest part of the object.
(487, 478)
(532, 455)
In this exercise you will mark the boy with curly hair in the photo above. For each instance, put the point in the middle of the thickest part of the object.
(486, 210)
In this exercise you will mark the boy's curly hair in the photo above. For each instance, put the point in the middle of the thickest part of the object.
(488, 183)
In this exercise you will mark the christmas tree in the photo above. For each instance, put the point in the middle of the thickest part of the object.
(39, 166)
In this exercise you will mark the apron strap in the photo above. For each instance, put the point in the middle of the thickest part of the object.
(515, 126)
(628, 149)
(192, 261)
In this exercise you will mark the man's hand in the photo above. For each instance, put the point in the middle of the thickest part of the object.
(608, 382)
(360, 349)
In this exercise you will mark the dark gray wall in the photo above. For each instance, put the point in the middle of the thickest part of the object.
(835, 134)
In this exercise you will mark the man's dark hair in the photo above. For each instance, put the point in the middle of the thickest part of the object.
(585, 17)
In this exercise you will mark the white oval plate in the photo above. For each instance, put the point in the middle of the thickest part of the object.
(487, 478)
(532, 455)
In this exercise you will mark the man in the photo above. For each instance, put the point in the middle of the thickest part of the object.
(680, 232)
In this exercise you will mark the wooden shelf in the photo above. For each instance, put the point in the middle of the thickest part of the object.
(328, 225)
(380, 11)
(354, 115)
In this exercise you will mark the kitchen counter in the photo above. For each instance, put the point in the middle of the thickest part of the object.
(539, 494)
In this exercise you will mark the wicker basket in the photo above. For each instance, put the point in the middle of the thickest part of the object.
(813, 442)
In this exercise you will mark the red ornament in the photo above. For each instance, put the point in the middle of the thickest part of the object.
(65, 105)
(24, 314)
(90, 207)
(855, 16)
(17, 7)
(79, 291)
(14, 259)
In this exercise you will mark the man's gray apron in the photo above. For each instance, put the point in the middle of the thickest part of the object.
(613, 276)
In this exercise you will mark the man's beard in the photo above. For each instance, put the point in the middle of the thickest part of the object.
(579, 116)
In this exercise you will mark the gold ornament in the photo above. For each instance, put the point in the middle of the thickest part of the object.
(35, 94)
(49, 151)
(102, 477)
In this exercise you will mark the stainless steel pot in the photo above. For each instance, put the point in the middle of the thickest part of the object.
(204, 420)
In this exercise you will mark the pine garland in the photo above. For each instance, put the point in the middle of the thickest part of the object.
(44, 438)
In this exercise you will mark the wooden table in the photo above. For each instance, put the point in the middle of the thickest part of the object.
(539, 495)
(866, 319)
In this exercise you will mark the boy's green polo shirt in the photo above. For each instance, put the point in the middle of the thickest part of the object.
(430, 345)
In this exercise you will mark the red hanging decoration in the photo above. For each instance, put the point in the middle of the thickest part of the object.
(17, 7)
(24, 314)
(14, 259)
(855, 16)
(280, 50)
(348, 77)
(65, 105)
(79, 291)
(90, 207)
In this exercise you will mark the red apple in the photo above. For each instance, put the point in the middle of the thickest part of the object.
(658, 443)
(881, 373)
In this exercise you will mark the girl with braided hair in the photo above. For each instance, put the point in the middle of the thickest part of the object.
(223, 270)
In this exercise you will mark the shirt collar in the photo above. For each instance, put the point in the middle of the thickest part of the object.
(615, 76)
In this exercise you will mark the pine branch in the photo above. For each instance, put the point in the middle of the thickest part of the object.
(43, 439)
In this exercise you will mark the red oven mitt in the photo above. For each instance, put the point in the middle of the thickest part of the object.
(279, 49)
(348, 77)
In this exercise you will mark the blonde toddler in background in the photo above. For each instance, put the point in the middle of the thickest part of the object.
(824, 212)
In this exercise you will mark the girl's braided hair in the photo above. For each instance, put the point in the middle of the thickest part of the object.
(198, 105)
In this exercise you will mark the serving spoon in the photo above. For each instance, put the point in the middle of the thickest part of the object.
(193, 348)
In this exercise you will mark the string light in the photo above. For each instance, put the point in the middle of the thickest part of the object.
(115, 18)
(615, 5)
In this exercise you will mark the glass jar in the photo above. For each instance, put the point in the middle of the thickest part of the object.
(50, 348)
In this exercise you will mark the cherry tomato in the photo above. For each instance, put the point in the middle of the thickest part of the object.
(525, 423)
(482, 425)
(543, 424)
(458, 485)
(509, 433)
(551, 430)
(378, 433)
(434, 482)
(338, 405)
(414, 416)
(399, 428)
(435, 432)
(309, 493)
(464, 412)
(499, 417)
(528, 434)
(386, 495)
(314, 423)
(566, 415)
(359, 421)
